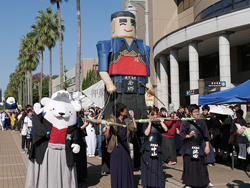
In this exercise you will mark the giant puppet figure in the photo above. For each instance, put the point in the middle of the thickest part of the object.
(124, 65)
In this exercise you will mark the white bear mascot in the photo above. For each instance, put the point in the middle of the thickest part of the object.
(55, 143)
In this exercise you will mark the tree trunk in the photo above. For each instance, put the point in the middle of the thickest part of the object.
(28, 87)
(23, 93)
(25, 90)
(78, 64)
(31, 89)
(41, 80)
(60, 43)
(19, 93)
(50, 72)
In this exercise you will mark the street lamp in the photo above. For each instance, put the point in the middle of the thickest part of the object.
(133, 10)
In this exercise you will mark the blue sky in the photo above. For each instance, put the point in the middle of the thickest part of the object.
(16, 17)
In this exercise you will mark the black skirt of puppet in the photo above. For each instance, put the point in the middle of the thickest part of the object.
(133, 101)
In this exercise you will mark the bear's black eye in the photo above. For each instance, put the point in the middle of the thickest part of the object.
(69, 111)
(53, 108)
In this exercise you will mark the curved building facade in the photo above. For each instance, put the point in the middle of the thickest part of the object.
(194, 41)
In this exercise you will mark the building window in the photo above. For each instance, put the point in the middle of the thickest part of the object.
(220, 7)
(184, 4)
(239, 3)
(210, 11)
(180, 7)
(228, 5)
(203, 14)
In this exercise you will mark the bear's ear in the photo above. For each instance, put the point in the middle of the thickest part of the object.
(76, 105)
(45, 100)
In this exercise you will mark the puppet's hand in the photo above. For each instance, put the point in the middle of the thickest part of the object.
(76, 148)
(110, 87)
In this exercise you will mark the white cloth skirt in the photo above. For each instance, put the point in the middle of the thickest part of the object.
(90, 140)
(53, 172)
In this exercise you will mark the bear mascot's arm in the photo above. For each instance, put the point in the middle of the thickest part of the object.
(40, 139)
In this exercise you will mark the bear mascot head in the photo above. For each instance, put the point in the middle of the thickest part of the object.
(59, 110)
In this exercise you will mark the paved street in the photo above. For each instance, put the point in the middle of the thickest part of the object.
(13, 166)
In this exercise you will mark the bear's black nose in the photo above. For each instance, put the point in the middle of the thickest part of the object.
(61, 113)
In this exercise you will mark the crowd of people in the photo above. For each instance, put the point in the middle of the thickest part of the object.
(202, 142)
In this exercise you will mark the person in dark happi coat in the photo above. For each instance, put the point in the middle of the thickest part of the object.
(209, 158)
(151, 162)
(120, 161)
(195, 173)
(81, 162)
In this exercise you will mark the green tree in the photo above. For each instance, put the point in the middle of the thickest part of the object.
(60, 37)
(66, 82)
(29, 59)
(45, 90)
(91, 78)
(54, 77)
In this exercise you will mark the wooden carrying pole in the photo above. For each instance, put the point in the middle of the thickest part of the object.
(103, 122)
(168, 119)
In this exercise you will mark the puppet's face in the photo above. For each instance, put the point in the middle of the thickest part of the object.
(123, 27)
(59, 111)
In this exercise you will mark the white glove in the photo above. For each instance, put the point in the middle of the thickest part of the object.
(248, 150)
(76, 148)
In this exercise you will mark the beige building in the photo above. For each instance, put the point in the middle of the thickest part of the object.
(86, 64)
(195, 39)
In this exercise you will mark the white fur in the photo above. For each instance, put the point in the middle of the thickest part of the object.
(60, 112)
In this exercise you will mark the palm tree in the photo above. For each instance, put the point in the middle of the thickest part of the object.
(60, 38)
(38, 37)
(29, 59)
(52, 37)
(78, 64)
(20, 75)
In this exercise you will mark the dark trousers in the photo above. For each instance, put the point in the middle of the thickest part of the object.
(24, 140)
(29, 141)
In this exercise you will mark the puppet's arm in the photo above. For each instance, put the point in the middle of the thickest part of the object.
(108, 82)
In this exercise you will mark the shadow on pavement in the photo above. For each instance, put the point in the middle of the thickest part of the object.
(239, 184)
(94, 176)
(137, 179)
